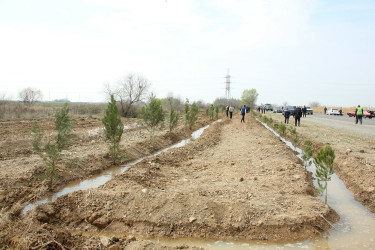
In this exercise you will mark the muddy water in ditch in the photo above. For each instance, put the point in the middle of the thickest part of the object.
(100, 179)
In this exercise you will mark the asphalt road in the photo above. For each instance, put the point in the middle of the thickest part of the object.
(344, 122)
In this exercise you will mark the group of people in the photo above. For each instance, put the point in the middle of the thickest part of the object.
(229, 110)
(298, 113)
(262, 109)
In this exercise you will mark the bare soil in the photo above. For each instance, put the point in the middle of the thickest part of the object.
(355, 153)
(237, 181)
(22, 170)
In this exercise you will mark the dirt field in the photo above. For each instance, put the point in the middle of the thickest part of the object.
(22, 171)
(355, 154)
(237, 181)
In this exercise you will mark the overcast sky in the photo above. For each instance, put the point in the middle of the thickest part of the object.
(295, 51)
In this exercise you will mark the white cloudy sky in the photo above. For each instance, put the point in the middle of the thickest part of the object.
(296, 51)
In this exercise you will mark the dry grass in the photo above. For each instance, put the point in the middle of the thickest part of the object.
(20, 111)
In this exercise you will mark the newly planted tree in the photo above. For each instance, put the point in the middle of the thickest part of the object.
(307, 153)
(217, 112)
(113, 129)
(294, 136)
(191, 114)
(281, 129)
(172, 119)
(51, 151)
(153, 115)
(324, 168)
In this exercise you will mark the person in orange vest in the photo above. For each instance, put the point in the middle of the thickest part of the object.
(358, 114)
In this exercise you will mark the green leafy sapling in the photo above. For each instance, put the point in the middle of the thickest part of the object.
(173, 119)
(281, 129)
(51, 151)
(324, 168)
(113, 130)
(307, 153)
(217, 112)
(191, 114)
(294, 136)
(153, 115)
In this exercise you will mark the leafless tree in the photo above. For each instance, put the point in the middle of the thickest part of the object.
(173, 101)
(131, 89)
(30, 95)
(314, 104)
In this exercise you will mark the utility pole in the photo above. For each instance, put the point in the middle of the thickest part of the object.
(227, 87)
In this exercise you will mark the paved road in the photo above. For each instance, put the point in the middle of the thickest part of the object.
(344, 122)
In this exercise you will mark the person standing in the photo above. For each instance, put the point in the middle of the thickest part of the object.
(243, 113)
(297, 116)
(258, 109)
(325, 110)
(286, 115)
(358, 114)
(227, 109)
(304, 111)
(231, 112)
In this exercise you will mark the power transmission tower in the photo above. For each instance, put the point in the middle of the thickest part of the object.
(227, 87)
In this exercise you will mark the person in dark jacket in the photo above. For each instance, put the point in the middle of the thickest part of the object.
(243, 113)
(297, 116)
(286, 115)
(304, 111)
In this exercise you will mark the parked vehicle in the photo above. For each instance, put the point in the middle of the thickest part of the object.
(366, 113)
(290, 108)
(277, 110)
(309, 111)
(333, 112)
(268, 107)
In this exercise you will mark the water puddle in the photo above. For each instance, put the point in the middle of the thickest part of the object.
(100, 179)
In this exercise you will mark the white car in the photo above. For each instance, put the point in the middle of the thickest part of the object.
(333, 112)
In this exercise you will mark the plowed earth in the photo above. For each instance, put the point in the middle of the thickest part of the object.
(237, 181)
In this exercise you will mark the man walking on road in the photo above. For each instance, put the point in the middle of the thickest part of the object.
(231, 112)
(358, 114)
(243, 113)
(297, 116)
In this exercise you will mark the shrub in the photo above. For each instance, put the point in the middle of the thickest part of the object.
(281, 129)
(324, 168)
(50, 152)
(265, 119)
(294, 136)
(190, 114)
(153, 115)
(113, 129)
(173, 119)
(307, 153)
(217, 112)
